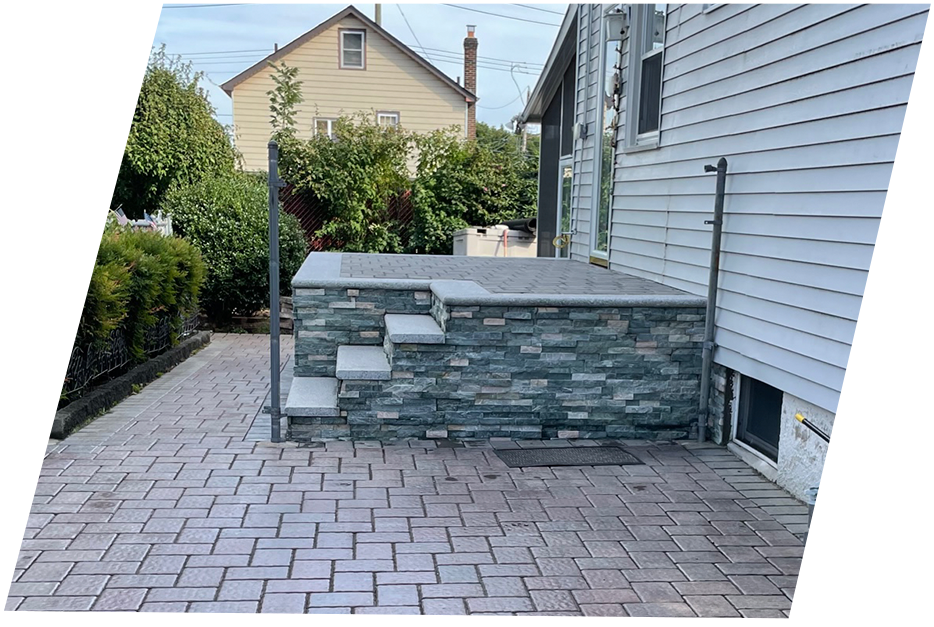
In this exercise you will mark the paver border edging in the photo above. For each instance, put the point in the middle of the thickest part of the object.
(112, 392)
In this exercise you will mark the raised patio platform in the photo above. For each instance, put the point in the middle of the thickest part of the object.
(493, 347)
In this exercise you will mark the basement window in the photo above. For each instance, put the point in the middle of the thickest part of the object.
(353, 49)
(759, 421)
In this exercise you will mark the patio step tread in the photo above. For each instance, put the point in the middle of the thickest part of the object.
(368, 363)
(413, 329)
(312, 396)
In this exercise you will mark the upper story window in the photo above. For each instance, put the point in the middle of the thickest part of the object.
(647, 45)
(325, 126)
(353, 49)
(387, 118)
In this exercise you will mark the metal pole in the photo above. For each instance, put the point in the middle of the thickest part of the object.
(907, 500)
(274, 291)
(712, 279)
(23, 310)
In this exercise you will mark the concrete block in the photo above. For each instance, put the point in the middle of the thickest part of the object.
(312, 396)
(413, 329)
(367, 363)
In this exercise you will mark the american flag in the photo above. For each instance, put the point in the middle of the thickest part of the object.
(12, 98)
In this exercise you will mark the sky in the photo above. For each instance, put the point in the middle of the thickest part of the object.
(225, 39)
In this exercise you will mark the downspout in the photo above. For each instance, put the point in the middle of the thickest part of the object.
(712, 281)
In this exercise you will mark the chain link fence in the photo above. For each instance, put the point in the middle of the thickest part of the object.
(20, 395)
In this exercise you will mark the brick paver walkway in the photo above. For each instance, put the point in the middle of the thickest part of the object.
(165, 505)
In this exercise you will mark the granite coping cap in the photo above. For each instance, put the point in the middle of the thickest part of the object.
(312, 396)
(323, 270)
(413, 329)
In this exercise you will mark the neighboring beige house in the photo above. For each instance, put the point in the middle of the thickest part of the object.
(37, 26)
(348, 64)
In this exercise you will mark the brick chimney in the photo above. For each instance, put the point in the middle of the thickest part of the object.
(470, 79)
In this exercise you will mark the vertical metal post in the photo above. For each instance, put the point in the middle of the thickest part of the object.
(31, 395)
(712, 279)
(274, 291)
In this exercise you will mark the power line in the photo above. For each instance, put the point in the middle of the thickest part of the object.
(508, 17)
(412, 31)
(198, 6)
(526, 6)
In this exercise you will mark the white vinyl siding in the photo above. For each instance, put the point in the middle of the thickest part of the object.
(806, 102)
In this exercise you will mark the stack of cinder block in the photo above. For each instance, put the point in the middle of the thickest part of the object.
(839, 512)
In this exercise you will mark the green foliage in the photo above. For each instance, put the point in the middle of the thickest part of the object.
(139, 278)
(283, 98)
(353, 177)
(460, 184)
(227, 218)
(124, 123)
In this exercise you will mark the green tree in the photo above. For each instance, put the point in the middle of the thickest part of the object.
(283, 100)
(353, 177)
(125, 123)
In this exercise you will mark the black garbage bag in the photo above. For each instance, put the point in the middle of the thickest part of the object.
(892, 561)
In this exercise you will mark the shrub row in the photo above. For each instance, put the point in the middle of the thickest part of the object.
(139, 278)
(227, 219)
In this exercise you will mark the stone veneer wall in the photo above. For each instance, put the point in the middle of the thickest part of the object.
(518, 371)
(719, 404)
(326, 318)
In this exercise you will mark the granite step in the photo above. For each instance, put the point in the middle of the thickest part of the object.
(362, 363)
(312, 396)
(413, 329)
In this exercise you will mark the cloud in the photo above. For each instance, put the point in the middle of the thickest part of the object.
(259, 26)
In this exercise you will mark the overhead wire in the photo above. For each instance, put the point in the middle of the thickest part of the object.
(526, 6)
(412, 31)
(508, 17)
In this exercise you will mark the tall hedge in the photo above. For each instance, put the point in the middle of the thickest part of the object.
(227, 218)
(139, 278)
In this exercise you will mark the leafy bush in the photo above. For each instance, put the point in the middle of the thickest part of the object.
(353, 177)
(460, 184)
(139, 278)
(124, 123)
(227, 218)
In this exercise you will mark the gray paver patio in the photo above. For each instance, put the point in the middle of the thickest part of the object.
(171, 502)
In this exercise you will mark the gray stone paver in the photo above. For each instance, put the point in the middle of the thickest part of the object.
(173, 502)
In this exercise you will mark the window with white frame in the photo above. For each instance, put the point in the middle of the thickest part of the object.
(353, 49)
(325, 126)
(387, 118)
(647, 46)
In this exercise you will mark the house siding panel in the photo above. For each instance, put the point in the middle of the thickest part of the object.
(392, 81)
(806, 105)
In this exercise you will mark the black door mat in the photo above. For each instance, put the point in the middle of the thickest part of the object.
(566, 456)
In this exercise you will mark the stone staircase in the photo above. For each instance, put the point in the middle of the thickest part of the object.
(318, 407)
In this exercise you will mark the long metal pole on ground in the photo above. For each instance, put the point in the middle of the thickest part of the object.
(907, 500)
(274, 291)
(23, 309)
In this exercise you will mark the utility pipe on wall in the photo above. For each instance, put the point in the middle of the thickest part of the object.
(712, 280)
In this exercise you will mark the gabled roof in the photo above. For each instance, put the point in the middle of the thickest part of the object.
(350, 11)
(562, 53)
